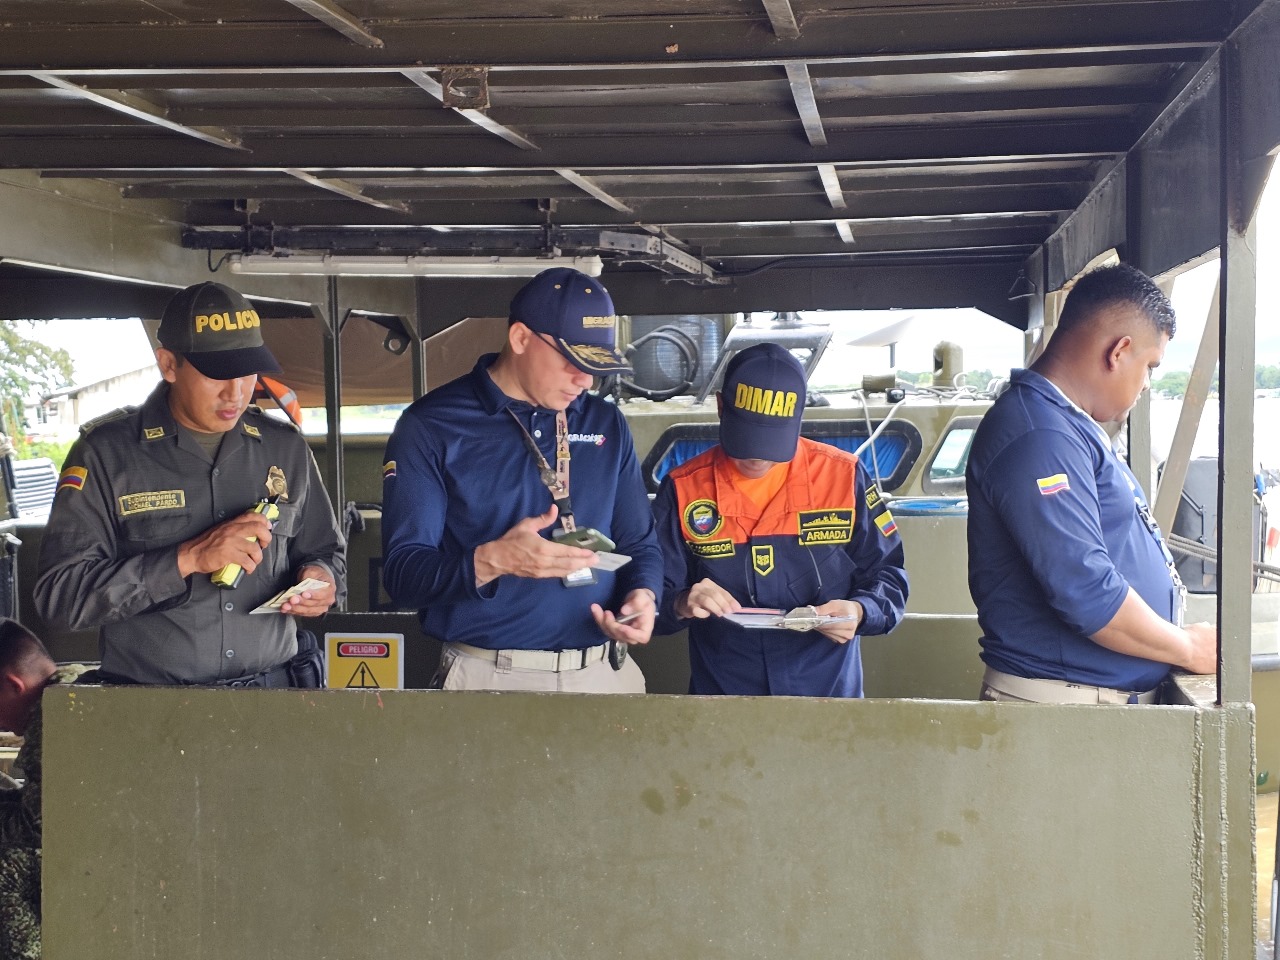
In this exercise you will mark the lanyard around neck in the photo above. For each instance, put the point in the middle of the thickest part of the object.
(557, 480)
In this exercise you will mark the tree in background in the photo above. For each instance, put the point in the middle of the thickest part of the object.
(27, 367)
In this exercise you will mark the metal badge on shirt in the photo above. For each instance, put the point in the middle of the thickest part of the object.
(276, 484)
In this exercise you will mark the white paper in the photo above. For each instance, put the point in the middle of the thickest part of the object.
(771, 618)
(275, 603)
(611, 561)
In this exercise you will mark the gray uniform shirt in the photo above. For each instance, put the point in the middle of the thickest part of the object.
(132, 489)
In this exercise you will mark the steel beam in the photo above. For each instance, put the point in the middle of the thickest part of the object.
(1238, 305)
(433, 86)
(993, 143)
(333, 322)
(831, 184)
(139, 109)
(349, 190)
(330, 14)
(587, 185)
(829, 35)
(806, 103)
(782, 18)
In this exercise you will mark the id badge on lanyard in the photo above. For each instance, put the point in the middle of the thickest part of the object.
(557, 481)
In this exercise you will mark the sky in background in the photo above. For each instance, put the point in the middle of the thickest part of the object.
(101, 349)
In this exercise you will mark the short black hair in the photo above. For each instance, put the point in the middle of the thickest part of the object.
(1117, 285)
(19, 647)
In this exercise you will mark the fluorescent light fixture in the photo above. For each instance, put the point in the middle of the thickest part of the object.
(303, 265)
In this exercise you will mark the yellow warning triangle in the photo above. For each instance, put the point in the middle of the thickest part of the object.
(363, 677)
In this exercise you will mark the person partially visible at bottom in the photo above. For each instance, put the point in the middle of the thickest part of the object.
(26, 671)
(486, 475)
(771, 519)
(1078, 597)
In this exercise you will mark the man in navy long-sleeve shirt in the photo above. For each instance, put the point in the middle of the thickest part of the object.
(482, 472)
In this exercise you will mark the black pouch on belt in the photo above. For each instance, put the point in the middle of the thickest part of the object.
(306, 668)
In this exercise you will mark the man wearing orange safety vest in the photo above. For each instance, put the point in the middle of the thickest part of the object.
(769, 519)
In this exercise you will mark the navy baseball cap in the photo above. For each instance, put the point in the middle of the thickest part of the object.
(762, 404)
(577, 312)
(217, 331)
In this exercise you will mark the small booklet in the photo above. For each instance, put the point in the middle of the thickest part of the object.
(770, 618)
(275, 603)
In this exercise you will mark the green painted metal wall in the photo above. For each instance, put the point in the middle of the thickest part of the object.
(335, 824)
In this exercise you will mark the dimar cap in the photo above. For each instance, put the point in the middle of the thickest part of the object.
(762, 404)
(576, 311)
(218, 332)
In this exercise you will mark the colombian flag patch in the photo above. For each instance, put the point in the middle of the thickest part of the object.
(887, 524)
(388, 470)
(1051, 485)
(73, 477)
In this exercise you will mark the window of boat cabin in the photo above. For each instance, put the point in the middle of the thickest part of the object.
(944, 475)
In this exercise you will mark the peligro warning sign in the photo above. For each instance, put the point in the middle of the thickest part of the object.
(365, 661)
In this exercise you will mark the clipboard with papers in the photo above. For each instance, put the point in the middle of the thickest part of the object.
(769, 618)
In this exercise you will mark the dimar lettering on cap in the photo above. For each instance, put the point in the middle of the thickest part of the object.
(218, 331)
(577, 312)
(762, 404)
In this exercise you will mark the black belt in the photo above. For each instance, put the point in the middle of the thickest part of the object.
(275, 678)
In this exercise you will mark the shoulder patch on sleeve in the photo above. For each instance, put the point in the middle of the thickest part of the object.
(73, 478)
(1054, 484)
(888, 526)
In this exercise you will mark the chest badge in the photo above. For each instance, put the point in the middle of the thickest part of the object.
(762, 559)
(276, 484)
(702, 519)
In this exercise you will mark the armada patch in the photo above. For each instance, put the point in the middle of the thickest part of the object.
(702, 519)
(888, 526)
(150, 500)
(152, 433)
(762, 560)
(714, 550)
(73, 477)
(388, 470)
(818, 527)
(1051, 485)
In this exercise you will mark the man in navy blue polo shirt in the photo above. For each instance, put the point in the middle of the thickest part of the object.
(483, 472)
(1077, 595)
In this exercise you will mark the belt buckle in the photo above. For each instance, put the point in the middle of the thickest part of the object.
(570, 660)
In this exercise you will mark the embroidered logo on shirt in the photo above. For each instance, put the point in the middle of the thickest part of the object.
(702, 519)
(825, 526)
(151, 500)
(762, 560)
(873, 495)
(714, 550)
(73, 477)
(888, 526)
(593, 438)
(1051, 485)
(388, 470)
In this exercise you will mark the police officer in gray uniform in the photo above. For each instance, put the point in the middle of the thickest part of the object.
(158, 505)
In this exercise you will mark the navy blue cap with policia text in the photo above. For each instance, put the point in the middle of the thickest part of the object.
(762, 404)
(217, 331)
(577, 313)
